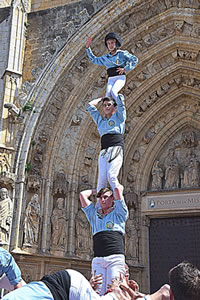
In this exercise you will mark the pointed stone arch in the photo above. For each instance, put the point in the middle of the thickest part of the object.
(166, 76)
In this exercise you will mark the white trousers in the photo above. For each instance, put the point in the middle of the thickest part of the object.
(110, 267)
(114, 85)
(109, 170)
(81, 289)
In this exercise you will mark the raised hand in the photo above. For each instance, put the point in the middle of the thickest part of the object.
(89, 41)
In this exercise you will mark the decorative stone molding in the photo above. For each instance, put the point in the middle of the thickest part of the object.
(7, 178)
(163, 89)
(13, 110)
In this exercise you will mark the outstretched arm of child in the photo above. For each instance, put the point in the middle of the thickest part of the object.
(89, 41)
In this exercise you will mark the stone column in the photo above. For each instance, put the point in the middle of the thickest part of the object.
(12, 48)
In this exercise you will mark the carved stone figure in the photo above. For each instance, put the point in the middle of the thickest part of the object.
(59, 224)
(83, 236)
(131, 236)
(157, 175)
(60, 185)
(32, 221)
(4, 166)
(191, 174)
(172, 170)
(6, 209)
(188, 139)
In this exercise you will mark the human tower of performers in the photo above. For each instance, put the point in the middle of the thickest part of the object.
(110, 275)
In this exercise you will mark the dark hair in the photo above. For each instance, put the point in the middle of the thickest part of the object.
(184, 280)
(114, 36)
(109, 99)
(103, 191)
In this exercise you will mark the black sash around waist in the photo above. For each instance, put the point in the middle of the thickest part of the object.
(59, 284)
(113, 71)
(112, 139)
(107, 243)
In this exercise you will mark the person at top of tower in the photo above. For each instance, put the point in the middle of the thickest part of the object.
(116, 61)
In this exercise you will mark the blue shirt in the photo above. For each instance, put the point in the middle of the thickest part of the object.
(120, 59)
(32, 291)
(115, 220)
(9, 267)
(114, 124)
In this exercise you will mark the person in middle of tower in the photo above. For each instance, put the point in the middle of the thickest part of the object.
(111, 127)
(108, 228)
(117, 63)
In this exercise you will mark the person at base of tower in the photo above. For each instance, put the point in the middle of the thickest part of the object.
(10, 274)
(111, 128)
(108, 228)
(117, 63)
(72, 285)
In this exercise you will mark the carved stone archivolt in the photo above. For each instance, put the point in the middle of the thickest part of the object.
(178, 166)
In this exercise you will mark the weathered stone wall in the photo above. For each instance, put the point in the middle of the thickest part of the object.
(48, 30)
(45, 4)
(5, 3)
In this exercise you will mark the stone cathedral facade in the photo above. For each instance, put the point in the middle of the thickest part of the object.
(49, 145)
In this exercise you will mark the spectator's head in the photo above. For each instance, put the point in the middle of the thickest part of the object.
(184, 280)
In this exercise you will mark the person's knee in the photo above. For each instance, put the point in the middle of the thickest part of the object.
(113, 181)
(114, 94)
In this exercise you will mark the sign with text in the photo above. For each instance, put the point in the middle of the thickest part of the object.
(176, 201)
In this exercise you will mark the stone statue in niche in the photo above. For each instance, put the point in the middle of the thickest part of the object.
(59, 224)
(32, 222)
(157, 175)
(83, 236)
(191, 173)
(4, 167)
(131, 235)
(171, 171)
(6, 209)
(60, 185)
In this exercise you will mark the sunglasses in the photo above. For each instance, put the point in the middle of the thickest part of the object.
(107, 104)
